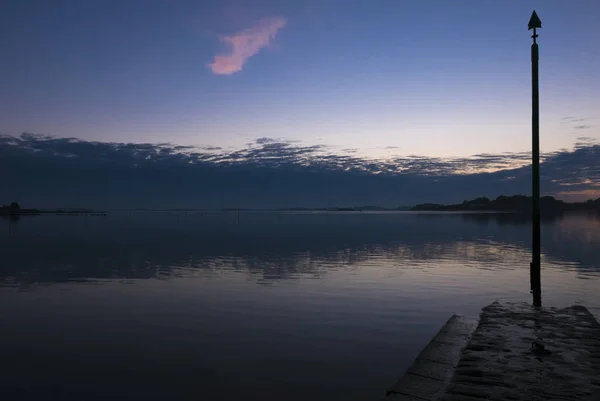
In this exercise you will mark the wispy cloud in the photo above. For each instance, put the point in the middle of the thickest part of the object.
(246, 44)
(572, 119)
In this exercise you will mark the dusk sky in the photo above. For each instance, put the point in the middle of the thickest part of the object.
(374, 80)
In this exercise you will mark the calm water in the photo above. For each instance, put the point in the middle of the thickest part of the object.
(311, 306)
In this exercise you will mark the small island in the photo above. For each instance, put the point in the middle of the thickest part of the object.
(14, 209)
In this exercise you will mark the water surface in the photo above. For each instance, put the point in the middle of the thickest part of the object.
(295, 306)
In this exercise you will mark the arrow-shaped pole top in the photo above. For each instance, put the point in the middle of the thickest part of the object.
(535, 21)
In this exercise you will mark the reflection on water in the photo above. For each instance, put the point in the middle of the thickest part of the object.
(295, 305)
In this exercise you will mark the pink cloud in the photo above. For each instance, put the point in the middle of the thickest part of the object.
(246, 44)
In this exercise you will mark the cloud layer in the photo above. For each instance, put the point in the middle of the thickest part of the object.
(246, 44)
(68, 172)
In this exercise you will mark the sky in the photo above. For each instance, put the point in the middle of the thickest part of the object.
(374, 82)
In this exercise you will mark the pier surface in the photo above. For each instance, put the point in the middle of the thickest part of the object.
(517, 352)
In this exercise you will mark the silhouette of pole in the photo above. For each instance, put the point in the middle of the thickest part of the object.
(535, 267)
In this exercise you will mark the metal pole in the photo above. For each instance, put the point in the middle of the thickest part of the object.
(535, 267)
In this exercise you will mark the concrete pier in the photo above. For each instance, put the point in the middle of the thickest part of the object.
(516, 352)
(430, 374)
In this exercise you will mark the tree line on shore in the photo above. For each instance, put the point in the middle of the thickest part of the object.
(516, 203)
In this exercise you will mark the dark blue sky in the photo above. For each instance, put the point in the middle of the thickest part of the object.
(377, 80)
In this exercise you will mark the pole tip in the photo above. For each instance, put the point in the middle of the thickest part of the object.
(534, 21)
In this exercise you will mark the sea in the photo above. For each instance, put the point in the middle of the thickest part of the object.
(288, 306)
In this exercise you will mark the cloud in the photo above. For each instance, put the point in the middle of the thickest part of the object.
(42, 171)
(572, 119)
(246, 44)
(582, 126)
(578, 195)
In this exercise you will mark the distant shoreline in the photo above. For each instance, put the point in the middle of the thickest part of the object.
(515, 204)
(506, 204)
